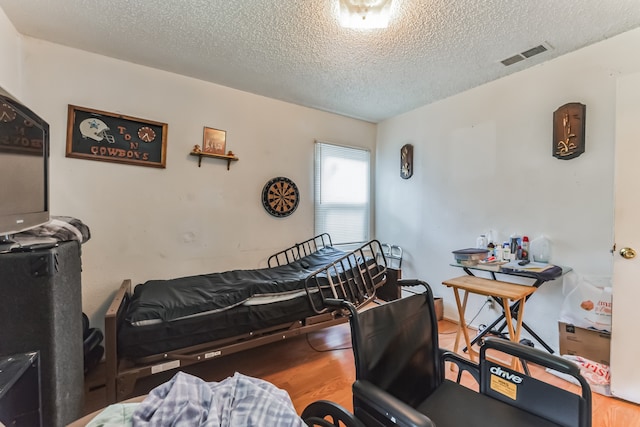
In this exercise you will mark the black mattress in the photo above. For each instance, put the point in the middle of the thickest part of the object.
(165, 315)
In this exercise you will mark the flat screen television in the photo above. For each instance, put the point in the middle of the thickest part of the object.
(24, 169)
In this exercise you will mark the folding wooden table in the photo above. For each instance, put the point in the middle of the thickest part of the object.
(507, 293)
(539, 277)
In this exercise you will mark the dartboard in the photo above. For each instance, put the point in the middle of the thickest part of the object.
(280, 196)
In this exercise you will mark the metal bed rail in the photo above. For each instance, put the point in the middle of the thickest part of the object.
(300, 250)
(354, 277)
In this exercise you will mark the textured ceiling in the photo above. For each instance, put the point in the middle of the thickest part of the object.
(294, 50)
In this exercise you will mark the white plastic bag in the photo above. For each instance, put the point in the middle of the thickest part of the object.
(596, 374)
(587, 302)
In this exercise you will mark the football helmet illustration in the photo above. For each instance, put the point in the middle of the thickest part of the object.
(95, 129)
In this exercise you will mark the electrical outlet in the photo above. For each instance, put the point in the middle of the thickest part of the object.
(490, 303)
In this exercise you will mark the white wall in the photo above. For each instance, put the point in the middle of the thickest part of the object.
(160, 223)
(483, 160)
(11, 62)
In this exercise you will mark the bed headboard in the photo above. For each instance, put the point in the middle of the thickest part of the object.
(300, 250)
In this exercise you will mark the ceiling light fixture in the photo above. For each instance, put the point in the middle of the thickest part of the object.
(364, 13)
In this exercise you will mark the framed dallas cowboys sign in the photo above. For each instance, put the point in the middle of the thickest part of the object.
(109, 137)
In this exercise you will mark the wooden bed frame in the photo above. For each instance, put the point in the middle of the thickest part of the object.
(348, 279)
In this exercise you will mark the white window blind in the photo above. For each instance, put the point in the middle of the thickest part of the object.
(342, 193)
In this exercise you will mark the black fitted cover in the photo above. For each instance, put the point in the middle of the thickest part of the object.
(172, 299)
(220, 294)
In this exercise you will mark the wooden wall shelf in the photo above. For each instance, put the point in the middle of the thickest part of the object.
(228, 158)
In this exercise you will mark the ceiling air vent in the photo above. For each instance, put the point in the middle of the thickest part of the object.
(512, 60)
(534, 51)
(526, 54)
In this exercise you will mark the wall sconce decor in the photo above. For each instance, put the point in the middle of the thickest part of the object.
(406, 161)
(569, 130)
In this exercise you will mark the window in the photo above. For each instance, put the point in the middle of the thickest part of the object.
(342, 193)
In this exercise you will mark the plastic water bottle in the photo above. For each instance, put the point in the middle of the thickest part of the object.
(491, 237)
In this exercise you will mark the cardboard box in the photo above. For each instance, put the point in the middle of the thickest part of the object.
(588, 343)
(439, 306)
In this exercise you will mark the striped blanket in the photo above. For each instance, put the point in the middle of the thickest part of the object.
(61, 228)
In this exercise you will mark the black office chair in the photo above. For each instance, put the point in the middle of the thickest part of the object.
(400, 377)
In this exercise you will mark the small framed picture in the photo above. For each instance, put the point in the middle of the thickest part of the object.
(214, 141)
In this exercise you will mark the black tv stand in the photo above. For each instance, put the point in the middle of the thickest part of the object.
(41, 310)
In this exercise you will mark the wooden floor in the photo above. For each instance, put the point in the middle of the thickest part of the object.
(320, 366)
